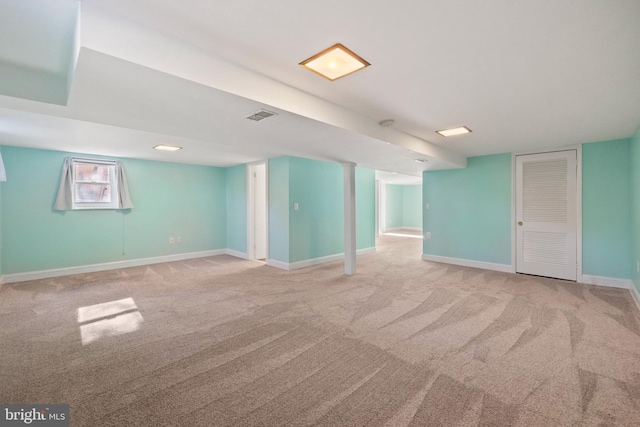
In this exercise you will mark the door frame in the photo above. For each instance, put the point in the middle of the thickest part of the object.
(578, 148)
(378, 233)
(251, 252)
(382, 208)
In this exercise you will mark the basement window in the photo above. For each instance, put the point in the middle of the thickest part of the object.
(92, 184)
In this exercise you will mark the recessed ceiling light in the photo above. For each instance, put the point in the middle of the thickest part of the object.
(335, 62)
(454, 131)
(164, 147)
(422, 160)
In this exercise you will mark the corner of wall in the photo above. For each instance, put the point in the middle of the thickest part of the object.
(278, 193)
(236, 208)
(470, 210)
(313, 230)
(1, 210)
(635, 210)
(606, 182)
(365, 207)
(75, 49)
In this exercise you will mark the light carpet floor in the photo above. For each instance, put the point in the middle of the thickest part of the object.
(226, 342)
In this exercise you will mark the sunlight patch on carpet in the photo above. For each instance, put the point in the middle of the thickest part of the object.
(108, 319)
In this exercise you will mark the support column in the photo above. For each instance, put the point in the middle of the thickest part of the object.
(349, 218)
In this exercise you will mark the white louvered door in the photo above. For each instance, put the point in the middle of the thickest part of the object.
(546, 216)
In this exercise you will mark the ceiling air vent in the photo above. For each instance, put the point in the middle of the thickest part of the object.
(256, 116)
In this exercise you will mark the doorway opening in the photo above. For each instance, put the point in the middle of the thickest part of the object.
(398, 214)
(399, 205)
(257, 207)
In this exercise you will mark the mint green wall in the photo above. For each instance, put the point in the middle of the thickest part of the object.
(606, 209)
(470, 210)
(403, 206)
(412, 206)
(365, 208)
(1, 226)
(279, 209)
(2, 184)
(635, 205)
(169, 200)
(316, 229)
(237, 208)
(393, 206)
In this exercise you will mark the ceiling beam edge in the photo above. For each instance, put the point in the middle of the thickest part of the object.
(112, 35)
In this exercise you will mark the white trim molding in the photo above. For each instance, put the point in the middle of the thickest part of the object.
(278, 264)
(236, 254)
(609, 282)
(635, 294)
(315, 261)
(349, 193)
(402, 228)
(505, 268)
(92, 268)
(613, 282)
(251, 207)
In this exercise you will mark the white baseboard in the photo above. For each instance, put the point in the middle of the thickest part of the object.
(613, 282)
(610, 282)
(237, 254)
(635, 294)
(92, 268)
(325, 259)
(315, 261)
(278, 264)
(505, 268)
(402, 228)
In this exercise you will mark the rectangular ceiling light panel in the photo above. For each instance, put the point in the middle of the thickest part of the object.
(164, 147)
(454, 131)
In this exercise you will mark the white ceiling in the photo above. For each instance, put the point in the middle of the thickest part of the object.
(521, 75)
(397, 178)
(37, 34)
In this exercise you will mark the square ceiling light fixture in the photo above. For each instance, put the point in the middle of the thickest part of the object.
(335, 62)
(454, 131)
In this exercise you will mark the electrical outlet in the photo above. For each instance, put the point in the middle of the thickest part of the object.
(427, 235)
(179, 239)
(295, 206)
(171, 240)
(426, 207)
